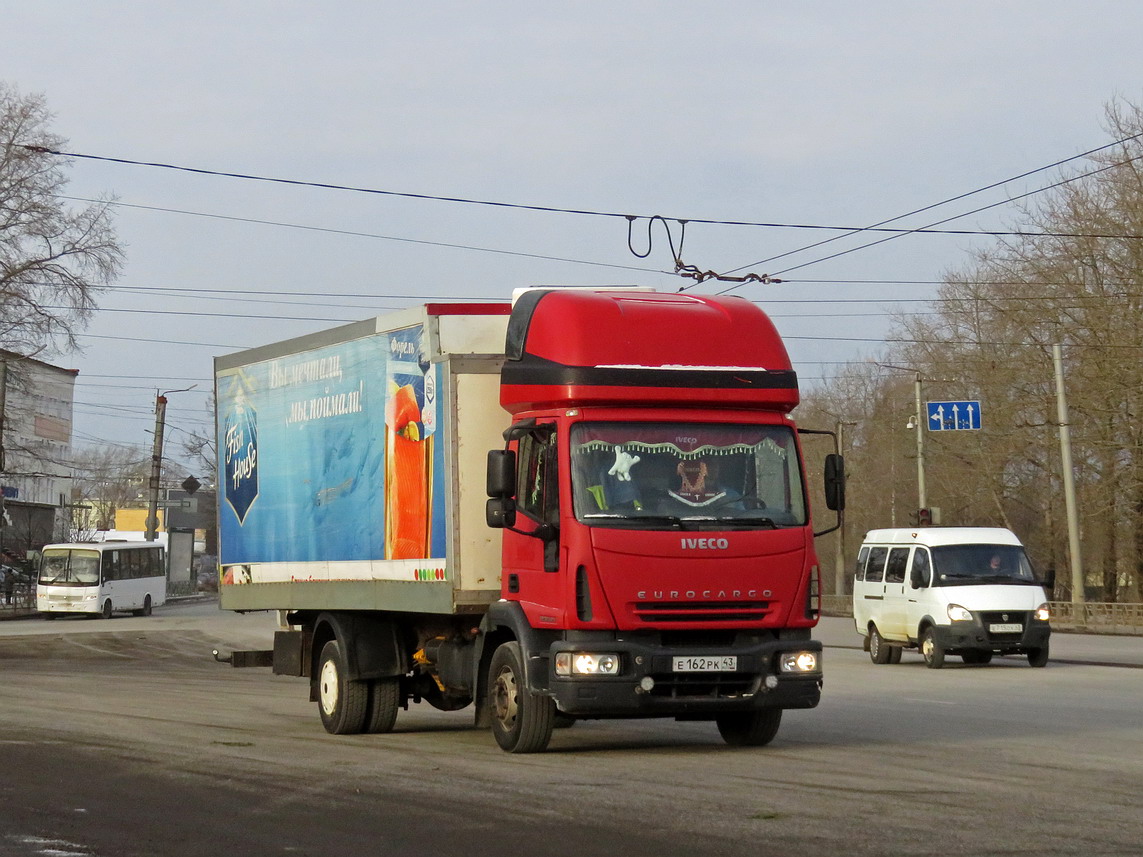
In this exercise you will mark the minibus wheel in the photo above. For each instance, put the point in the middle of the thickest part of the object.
(107, 609)
(933, 653)
(880, 652)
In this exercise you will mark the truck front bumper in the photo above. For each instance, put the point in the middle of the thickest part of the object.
(659, 681)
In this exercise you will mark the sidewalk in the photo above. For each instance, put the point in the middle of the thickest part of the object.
(839, 632)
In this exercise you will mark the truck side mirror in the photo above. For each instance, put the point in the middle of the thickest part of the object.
(500, 512)
(835, 482)
(501, 476)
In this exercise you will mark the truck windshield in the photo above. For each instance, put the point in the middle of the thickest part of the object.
(69, 568)
(685, 475)
(970, 565)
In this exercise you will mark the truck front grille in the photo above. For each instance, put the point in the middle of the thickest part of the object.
(701, 611)
(704, 685)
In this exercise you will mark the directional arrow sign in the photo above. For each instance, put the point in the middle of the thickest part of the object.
(953, 416)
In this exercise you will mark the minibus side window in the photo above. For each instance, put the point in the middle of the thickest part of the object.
(859, 569)
(875, 568)
(919, 574)
(898, 563)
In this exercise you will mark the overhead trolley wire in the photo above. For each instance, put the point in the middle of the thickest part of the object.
(542, 208)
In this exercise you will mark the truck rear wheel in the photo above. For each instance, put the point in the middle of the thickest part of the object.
(522, 722)
(381, 711)
(751, 728)
(342, 703)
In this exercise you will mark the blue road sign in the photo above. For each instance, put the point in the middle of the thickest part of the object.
(953, 416)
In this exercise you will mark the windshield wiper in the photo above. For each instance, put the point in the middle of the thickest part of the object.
(741, 520)
(636, 520)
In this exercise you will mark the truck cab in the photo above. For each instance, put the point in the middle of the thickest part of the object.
(658, 555)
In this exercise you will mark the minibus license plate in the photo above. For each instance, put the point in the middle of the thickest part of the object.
(699, 663)
(1006, 628)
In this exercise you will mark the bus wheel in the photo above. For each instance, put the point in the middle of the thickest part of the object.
(749, 729)
(342, 703)
(106, 614)
(522, 722)
(145, 610)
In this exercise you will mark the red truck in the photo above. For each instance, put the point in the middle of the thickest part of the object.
(589, 504)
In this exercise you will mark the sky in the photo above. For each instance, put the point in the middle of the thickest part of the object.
(830, 114)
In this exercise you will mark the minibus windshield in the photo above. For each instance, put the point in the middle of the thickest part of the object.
(973, 565)
(69, 567)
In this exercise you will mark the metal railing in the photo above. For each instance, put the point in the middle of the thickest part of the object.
(1087, 618)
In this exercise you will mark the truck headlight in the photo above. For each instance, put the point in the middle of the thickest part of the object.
(587, 663)
(1042, 614)
(798, 662)
(959, 614)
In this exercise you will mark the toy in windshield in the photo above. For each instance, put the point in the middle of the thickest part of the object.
(698, 483)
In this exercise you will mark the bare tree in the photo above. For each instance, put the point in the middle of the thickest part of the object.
(53, 259)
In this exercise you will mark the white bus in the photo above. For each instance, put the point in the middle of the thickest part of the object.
(101, 578)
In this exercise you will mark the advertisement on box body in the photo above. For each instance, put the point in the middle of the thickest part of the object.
(330, 455)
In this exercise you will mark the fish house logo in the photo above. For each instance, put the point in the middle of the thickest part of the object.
(240, 445)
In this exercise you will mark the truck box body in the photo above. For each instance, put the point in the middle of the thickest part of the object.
(588, 504)
(353, 465)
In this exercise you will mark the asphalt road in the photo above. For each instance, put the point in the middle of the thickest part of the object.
(124, 737)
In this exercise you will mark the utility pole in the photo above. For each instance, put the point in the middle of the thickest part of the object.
(156, 468)
(157, 462)
(1075, 558)
(921, 504)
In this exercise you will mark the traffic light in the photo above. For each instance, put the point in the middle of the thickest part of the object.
(924, 517)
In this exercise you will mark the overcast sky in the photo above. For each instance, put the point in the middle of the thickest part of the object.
(828, 113)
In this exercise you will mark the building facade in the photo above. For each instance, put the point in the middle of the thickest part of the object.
(36, 402)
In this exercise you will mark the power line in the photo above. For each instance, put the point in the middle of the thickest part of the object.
(951, 199)
(547, 208)
(1060, 183)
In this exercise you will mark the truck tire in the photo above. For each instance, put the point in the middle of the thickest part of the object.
(522, 721)
(1038, 657)
(342, 703)
(751, 728)
(977, 657)
(381, 710)
(895, 654)
(880, 652)
(933, 653)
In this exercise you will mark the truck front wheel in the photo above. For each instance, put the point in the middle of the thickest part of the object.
(522, 722)
(342, 703)
(751, 728)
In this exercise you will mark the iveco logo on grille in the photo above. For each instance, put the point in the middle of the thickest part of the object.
(705, 544)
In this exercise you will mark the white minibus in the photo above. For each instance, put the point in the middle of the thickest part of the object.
(100, 578)
(967, 591)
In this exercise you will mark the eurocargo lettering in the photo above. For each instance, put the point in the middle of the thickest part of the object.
(586, 504)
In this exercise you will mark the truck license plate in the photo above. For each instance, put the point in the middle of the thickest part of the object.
(701, 663)
(1006, 628)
